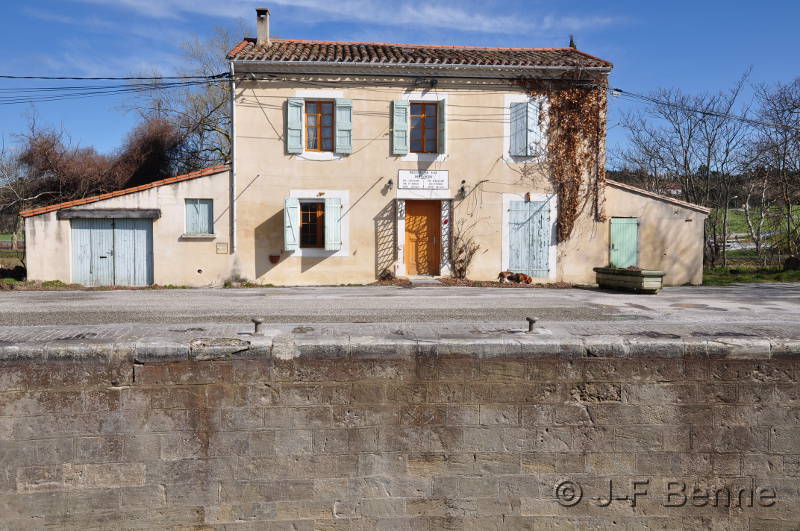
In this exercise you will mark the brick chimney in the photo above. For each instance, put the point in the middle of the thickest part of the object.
(262, 24)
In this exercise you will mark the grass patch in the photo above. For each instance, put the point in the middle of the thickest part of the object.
(725, 276)
(737, 222)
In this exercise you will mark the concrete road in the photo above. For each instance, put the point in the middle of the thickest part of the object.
(747, 309)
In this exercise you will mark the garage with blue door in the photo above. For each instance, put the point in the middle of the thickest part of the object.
(112, 248)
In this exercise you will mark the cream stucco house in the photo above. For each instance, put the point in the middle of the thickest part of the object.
(354, 158)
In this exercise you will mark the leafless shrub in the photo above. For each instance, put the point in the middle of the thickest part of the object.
(464, 249)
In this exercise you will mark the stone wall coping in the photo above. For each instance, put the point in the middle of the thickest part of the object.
(511, 346)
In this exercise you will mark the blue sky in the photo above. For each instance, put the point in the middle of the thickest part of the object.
(696, 46)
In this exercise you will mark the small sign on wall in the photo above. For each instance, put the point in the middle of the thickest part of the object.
(423, 180)
(222, 248)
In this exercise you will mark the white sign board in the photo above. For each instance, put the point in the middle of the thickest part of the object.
(423, 180)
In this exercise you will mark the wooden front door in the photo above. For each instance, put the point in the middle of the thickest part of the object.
(423, 232)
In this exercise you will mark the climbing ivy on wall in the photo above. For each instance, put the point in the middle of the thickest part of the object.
(576, 122)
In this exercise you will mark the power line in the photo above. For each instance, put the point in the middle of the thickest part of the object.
(127, 78)
(91, 92)
(705, 112)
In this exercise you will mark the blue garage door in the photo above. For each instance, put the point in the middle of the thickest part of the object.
(529, 238)
(107, 252)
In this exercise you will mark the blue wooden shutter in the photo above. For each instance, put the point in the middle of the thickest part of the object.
(333, 224)
(533, 130)
(199, 216)
(540, 243)
(192, 216)
(133, 252)
(291, 224)
(529, 238)
(294, 125)
(81, 251)
(624, 242)
(519, 129)
(344, 126)
(400, 127)
(441, 137)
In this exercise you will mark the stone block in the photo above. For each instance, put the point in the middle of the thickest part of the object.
(293, 442)
(105, 475)
(99, 449)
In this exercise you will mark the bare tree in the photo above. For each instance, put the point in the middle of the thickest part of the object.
(777, 150)
(46, 167)
(201, 111)
(689, 140)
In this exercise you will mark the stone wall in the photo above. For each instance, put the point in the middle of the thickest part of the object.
(419, 442)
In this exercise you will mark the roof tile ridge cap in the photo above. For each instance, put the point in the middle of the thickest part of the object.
(590, 56)
(447, 46)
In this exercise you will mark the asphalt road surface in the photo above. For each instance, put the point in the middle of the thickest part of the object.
(750, 304)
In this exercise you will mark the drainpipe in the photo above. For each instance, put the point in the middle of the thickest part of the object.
(232, 199)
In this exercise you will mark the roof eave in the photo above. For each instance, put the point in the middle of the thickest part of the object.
(443, 70)
(660, 197)
(205, 172)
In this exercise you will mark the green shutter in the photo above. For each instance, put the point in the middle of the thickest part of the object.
(294, 125)
(344, 126)
(442, 136)
(533, 130)
(291, 224)
(400, 127)
(333, 224)
(519, 129)
(624, 242)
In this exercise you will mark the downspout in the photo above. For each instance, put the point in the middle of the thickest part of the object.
(232, 199)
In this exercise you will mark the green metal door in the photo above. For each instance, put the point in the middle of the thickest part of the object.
(624, 242)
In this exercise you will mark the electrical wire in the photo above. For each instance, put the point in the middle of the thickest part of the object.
(705, 112)
(89, 92)
(127, 78)
(27, 95)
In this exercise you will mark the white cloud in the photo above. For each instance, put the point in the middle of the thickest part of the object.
(470, 16)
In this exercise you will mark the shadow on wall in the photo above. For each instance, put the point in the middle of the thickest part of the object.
(384, 238)
(268, 239)
(307, 262)
(670, 243)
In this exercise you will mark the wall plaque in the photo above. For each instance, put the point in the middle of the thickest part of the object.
(423, 180)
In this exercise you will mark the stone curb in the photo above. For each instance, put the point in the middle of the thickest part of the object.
(289, 347)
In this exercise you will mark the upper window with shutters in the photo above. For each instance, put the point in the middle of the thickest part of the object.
(319, 126)
(424, 127)
(419, 126)
(526, 124)
(319, 129)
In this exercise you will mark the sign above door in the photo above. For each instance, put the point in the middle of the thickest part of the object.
(423, 180)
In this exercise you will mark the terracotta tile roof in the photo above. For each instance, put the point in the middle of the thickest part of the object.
(93, 199)
(660, 197)
(285, 50)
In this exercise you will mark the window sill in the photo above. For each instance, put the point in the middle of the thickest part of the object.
(187, 236)
(320, 155)
(424, 157)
